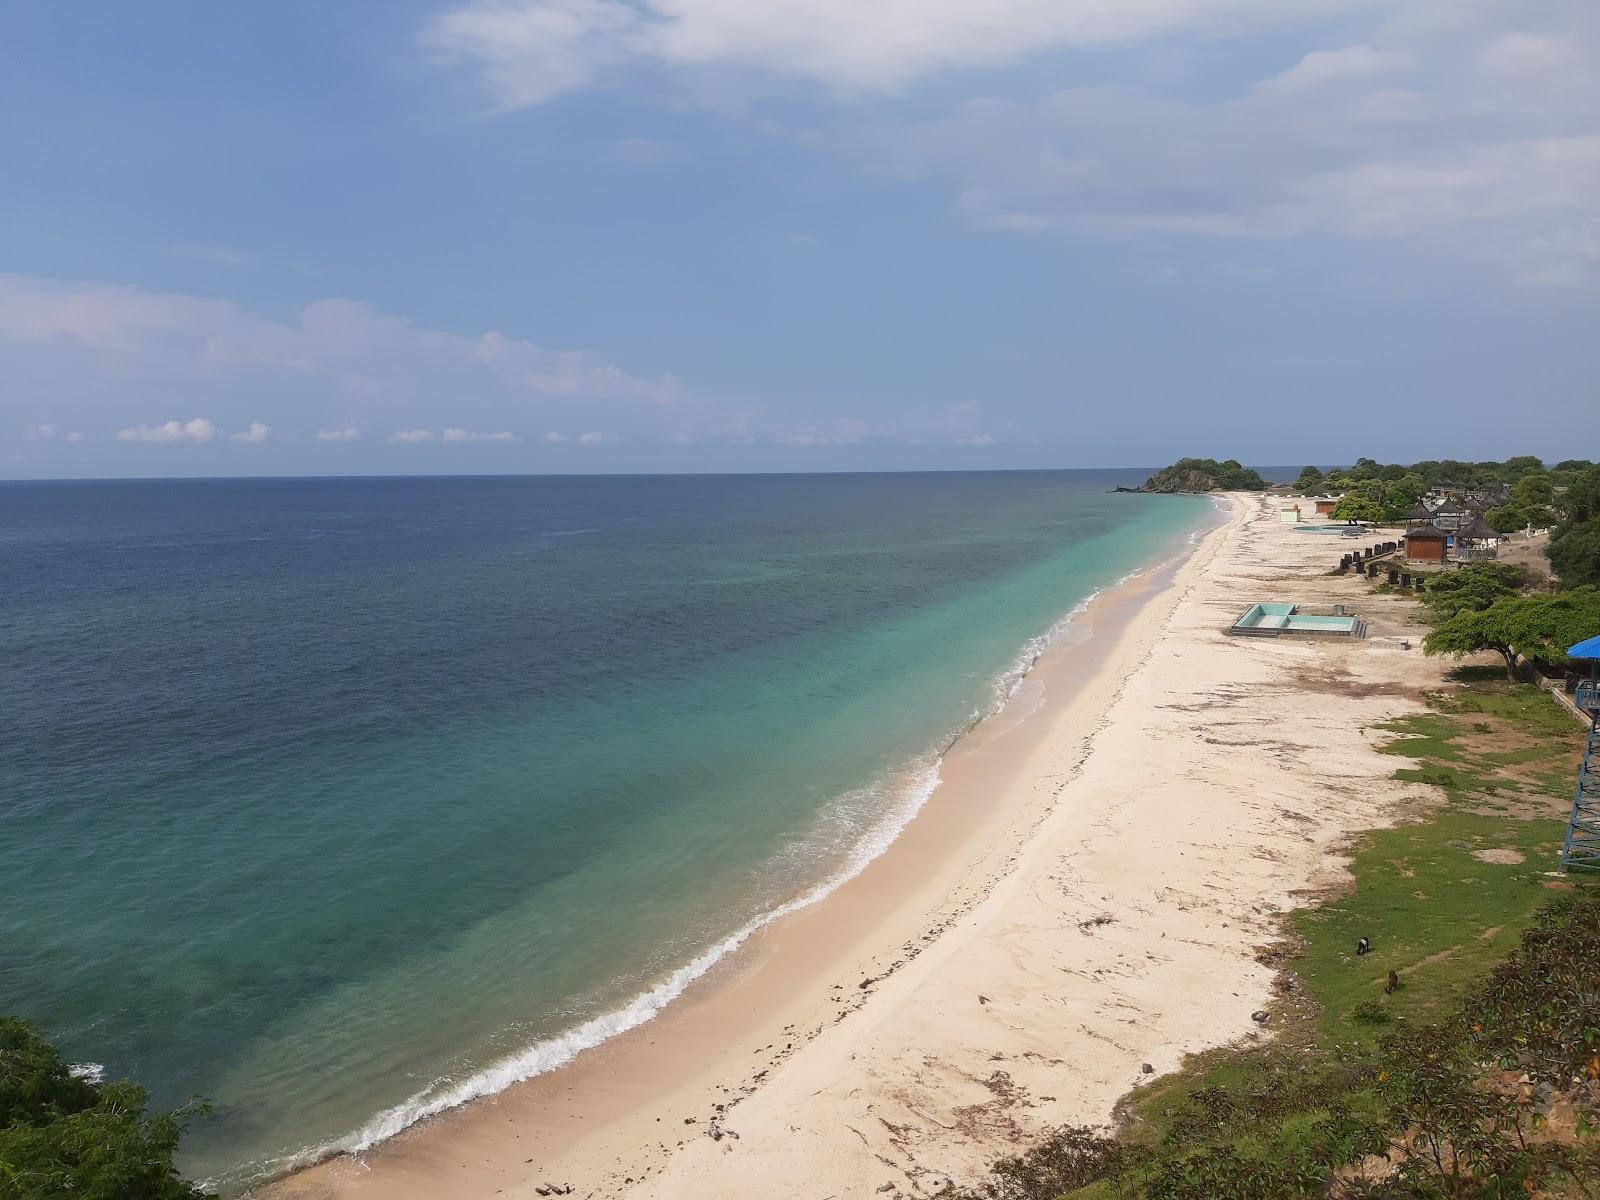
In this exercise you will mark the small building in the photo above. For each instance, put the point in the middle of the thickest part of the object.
(1476, 540)
(1450, 515)
(1427, 543)
(1289, 514)
(1325, 505)
(1486, 495)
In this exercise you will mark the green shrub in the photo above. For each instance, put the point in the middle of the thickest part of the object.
(64, 1136)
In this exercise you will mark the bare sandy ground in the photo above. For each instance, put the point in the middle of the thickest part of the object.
(1084, 894)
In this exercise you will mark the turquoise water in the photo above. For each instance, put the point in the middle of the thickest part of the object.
(1300, 621)
(341, 801)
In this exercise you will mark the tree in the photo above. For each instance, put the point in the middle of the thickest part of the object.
(1309, 479)
(1538, 628)
(1581, 500)
(1357, 507)
(1401, 495)
(1533, 491)
(1574, 553)
(1519, 467)
(1473, 587)
(61, 1135)
(1507, 518)
(1574, 549)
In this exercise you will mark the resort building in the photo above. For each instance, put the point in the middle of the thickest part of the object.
(1427, 543)
(1475, 540)
(1451, 515)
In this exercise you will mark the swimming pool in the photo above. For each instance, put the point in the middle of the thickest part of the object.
(1270, 620)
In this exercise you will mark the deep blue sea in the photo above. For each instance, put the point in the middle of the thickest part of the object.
(340, 800)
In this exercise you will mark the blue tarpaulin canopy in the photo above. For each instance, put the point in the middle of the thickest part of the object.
(1588, 648)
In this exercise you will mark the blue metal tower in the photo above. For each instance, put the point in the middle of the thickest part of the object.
(1581, 851)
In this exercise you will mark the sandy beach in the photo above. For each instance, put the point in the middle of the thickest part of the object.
(1084, 895)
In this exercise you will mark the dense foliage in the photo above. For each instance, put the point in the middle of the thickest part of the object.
(1444, 472)
(1357, 507)
(1205, 475)
(65, 1136)
(1574, 550)
(1473, 587)
(1538, 628)
(1525, 494)
(1459, 1109)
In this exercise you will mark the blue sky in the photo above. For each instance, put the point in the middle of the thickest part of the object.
(619, 235)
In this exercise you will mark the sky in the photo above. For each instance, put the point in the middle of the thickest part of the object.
(484, 236)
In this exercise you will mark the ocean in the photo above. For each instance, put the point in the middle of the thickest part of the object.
(339, 801)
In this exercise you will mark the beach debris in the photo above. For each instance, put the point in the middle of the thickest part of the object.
(982, 999)
(1259, 1016)
(1095, 922)
(885, 1187)
(1391, 983)
(1147, 1069)
(1364, 946)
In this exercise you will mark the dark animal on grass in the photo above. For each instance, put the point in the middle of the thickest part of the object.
(1393, 982)
(1363, 947)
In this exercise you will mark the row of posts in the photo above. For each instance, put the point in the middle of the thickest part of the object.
(1397, 578)
(1404, 580)
(1363, 565)
(1358, 558)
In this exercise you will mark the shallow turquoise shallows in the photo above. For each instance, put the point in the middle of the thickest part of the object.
(340, 801)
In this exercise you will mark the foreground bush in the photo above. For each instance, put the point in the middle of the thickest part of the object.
(62, 1136)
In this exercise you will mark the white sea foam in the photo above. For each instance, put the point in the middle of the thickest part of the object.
(92, 1072)
(552, 1053)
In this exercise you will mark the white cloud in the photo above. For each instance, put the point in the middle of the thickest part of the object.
(256, 433)
(348, 344)
(1408, 134)
(1323, 67)
(44, 432)
(595, 438)
(341, 433)
(74, 437)
(1524, 54)
(555, 439)
(197, 430)
(528, 51)
(975, 439)
(411, 437)
(127, 351)
(1410, 110)
(531, 52)
(462, 435)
